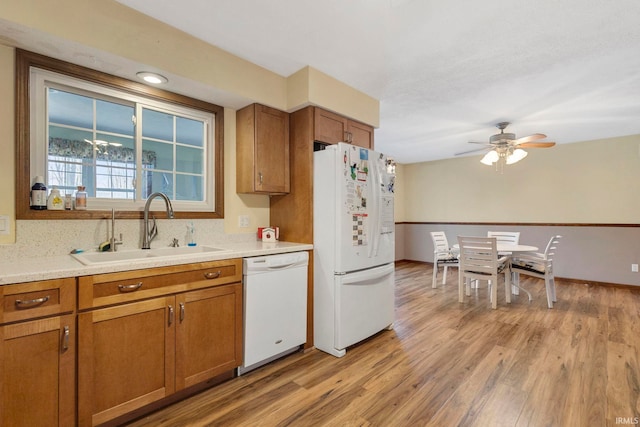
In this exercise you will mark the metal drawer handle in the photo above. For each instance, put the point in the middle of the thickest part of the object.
(210, 275)
(32, 302)
(181, 311)
(65, 338)
(171, 315)
(130, 288)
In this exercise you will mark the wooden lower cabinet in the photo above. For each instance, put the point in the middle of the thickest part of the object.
(38, 373)
(137, 353)
(208, 334)
(126, 359)
(37, 354)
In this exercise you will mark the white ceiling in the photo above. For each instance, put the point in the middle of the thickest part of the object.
(445, 72)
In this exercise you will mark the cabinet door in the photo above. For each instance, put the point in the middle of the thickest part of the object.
(37, 362)
(272, 150)
(208, 333)
(262, 150)
(329, 127)
(125, 358)
(360, 134)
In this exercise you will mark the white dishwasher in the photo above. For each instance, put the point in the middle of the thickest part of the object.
(275, 307)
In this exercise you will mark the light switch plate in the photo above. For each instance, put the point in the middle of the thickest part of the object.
(4, 224)
(243, 221)
(634, 268)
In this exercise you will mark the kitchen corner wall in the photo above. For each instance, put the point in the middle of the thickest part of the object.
(116, 39)
(7, 151)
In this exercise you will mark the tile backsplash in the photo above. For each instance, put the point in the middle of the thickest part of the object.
(55, 237)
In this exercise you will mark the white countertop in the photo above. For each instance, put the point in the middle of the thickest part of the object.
(44, 268)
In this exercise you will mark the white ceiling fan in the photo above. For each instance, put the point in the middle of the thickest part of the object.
(504, 148)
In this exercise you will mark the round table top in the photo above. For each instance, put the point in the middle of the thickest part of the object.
(507, 247)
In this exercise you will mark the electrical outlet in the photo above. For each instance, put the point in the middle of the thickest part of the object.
(634, 268)
(243, 221)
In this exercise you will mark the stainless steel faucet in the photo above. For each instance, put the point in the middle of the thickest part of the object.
(113, 243)
(150, 233)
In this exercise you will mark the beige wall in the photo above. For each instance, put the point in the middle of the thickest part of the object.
(7, 173)
(586, 182)
(310, 86)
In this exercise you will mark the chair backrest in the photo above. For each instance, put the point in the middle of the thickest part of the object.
(549, 251)
(440, 243)
(511, 237)
(478, 254)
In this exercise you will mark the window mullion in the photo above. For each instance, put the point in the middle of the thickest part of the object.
(138, 147)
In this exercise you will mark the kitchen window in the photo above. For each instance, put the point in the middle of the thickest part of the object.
(121, 140)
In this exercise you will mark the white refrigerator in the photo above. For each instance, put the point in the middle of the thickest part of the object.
(354, 246)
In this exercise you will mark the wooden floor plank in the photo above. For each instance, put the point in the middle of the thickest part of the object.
(447, 364)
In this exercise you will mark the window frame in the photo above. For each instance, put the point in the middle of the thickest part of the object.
(25, 61)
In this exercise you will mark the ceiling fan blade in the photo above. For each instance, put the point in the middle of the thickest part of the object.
(472, 151)
(478, 142)
(537, 144)
(532, 137)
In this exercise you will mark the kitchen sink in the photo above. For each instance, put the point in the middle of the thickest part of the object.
(92, 258)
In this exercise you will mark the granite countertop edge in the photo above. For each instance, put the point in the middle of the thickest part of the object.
(63, 266)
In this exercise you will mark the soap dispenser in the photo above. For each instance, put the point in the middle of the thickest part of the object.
(191, 234)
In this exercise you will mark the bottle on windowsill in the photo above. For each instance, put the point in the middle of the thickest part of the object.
(81, 199)
(39, 194)
(55, 202)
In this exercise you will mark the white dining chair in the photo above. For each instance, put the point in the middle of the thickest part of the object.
(539, 265)
(479, 260)
(443, 255)
(512, 238)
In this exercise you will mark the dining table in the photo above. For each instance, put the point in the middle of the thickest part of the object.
(510, 249)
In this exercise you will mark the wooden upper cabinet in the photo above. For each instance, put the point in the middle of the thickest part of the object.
(360, 134)
(262, 150)
(333, 128)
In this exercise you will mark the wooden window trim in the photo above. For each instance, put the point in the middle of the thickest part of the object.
(24, 61)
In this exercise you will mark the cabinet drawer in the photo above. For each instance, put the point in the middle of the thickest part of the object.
(116, 288)
(25, 301)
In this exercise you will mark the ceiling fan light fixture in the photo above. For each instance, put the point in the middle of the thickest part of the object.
(517, 155)
(490, 158)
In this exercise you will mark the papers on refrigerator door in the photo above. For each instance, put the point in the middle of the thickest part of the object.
(359, 229)
(356, 201)
(388, 224)
(357, 160)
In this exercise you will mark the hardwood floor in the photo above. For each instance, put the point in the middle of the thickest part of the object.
(451, 364)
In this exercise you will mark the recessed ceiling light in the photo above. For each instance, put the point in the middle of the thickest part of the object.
(153, 78)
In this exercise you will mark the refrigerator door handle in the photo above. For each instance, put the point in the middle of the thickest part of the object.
(376, 207)
(367, 275)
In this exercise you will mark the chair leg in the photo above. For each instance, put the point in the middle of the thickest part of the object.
(553, 288)
(507, 286)
(494, 293)
(444, 274)
(435, 274)
(547, 283)
(461, 287)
